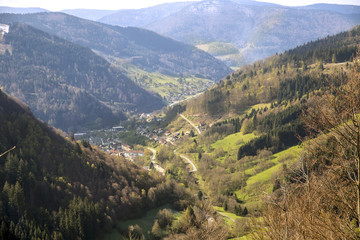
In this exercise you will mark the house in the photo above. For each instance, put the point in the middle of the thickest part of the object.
(4, 28)
(162, 141)
(126, 147)
(132, 154)
(118, 128)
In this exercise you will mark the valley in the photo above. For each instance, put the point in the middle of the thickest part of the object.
(246, 129)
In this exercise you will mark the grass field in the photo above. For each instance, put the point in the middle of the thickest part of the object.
(233, 141)
(219, 48)
(260, 183)
(228, 221)
(259, 106)
(172, 88)
(145, 223)
(230, 144)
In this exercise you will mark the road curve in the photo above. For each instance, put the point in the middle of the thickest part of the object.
(194, 169)
(156, 166)
(191, 123)
(222, 214)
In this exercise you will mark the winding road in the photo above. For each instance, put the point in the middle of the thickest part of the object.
(156, 166)
(194, 169)
(191, 123)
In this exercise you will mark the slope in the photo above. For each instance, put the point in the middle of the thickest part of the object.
(143, 48)
(278, 78)
(67, 85)
(53, 188)
(90, 14)
(142, 17)
(258, 30)
(251, 124)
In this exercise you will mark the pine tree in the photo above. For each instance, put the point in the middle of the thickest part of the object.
(156, 230)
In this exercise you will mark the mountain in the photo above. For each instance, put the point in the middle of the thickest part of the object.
(337, 8)
(269, 80)
(54, 188)
(65, 84)
(248, 137)
(90, 14)
(256, 30)
(142, 17)
(142, 48)
(4, 9)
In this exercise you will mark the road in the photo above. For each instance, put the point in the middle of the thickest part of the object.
(156, 166)
(222, 214)
(191, 123)
(194, 169)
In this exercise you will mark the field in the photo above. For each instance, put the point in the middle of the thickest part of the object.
(170, 88)
(145, 223)
(232, 142)
(260, 183)
(219, 48)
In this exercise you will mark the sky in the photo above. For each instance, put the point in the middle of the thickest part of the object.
(55, 5)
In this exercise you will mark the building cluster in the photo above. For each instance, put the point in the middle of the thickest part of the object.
(107, 141)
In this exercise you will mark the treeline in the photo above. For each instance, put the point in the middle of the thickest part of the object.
(279, 131)
(339, 48)
(52, 188)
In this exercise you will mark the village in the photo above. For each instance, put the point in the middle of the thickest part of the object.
(110, 141)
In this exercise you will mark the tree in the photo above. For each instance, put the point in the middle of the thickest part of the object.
(225, 207)
(156, 230)
(318, 198)
(2, 154)
(72, 136)
(192, 134)
(200, 195)
(336, 115)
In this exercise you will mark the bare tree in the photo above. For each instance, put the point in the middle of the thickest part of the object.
(336, 116)
(2, 154)
(320, 197)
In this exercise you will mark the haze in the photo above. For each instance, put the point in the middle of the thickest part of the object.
(136, 4)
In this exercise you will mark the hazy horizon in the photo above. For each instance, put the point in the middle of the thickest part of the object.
(137, 4)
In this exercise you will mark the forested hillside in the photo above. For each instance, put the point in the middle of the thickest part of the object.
(56, 188)
(145, 49)
(283, 77)
(251, 146)
(67, 85)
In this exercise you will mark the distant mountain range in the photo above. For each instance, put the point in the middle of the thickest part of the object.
(65, 84)
(90, 14)
(4, 9)
(142, 48)
(256, 29)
